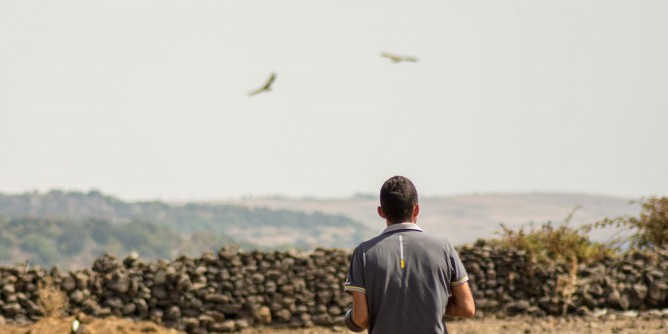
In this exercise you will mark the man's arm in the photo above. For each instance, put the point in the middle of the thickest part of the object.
(460, 304)
(360, 309)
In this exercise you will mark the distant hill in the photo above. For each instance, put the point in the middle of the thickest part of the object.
(44, 218)
(465, 218)
(69, 244)
(70, 228)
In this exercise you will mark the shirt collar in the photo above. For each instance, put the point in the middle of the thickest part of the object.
(402, 226)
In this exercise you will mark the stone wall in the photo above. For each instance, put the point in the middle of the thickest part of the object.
(502, 281)
(233, 290)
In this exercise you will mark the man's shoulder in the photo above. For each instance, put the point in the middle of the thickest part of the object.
(364, 245)
(425, 239)
(432, 239)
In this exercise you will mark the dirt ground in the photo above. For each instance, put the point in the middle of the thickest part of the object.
(611, 323)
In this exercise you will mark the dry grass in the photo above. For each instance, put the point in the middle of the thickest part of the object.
(567, 285)
(51, 299)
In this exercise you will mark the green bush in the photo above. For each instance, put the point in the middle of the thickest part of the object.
(649, 230)
(554, 244)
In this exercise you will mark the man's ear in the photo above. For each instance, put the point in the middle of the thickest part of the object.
(416, 211)
(381, 213)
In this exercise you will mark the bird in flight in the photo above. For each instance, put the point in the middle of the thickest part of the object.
(398, 59)
(266, 87)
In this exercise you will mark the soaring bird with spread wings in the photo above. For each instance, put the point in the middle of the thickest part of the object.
(266, 87)
(398, 59)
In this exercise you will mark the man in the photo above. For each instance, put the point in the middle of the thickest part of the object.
(405, 281)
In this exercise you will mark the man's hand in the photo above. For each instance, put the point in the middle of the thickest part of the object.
(350, 324)
(460, 304)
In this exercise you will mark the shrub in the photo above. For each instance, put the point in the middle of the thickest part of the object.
(554, 244)
(649, 230)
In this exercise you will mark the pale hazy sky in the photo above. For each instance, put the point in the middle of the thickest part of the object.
(147, 99)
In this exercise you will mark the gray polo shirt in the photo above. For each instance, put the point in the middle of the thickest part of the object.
(406, 275)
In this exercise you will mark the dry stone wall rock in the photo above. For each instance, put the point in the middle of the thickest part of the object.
(232, 290)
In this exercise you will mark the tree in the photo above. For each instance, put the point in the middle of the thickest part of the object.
(100, 230)
(72, 240)
(43, 250)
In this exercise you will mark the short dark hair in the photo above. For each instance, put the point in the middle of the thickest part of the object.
(398, 197)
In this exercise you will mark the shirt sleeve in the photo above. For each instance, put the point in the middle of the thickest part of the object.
(355, 279)
(458, 272)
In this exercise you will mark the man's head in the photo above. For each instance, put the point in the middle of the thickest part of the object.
(398, 200)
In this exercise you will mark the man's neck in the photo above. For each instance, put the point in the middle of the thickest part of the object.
(407, 222)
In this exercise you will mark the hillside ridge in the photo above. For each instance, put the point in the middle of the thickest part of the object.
(466, 218)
